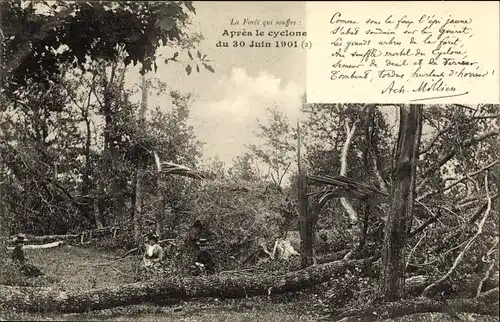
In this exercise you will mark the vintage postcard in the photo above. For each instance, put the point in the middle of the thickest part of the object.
(249, 161)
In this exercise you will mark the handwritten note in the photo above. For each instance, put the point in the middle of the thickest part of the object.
(403, 52)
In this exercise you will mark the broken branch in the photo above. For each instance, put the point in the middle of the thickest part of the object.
(447, 157)
(460, 256)
(462, 179)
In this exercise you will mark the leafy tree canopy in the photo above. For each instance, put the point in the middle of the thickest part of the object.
(38, 36)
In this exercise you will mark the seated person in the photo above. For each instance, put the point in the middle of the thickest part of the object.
(19, 258)
(204, 259)
(153, 254)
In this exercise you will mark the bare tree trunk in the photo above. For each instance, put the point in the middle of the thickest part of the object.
(369, 110)
(160, 202)
(403, 195)
(160, 210)
(140, 169)
(137, 211)
(111, 155)
(97, 216)
(3, 208)
(306, 223)
(90, 202)
(351, 212)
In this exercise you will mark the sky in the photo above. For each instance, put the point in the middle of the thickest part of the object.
(246, 80)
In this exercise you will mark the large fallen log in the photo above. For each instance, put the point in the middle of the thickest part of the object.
(43, 246)
(486, 304)
(222, 286)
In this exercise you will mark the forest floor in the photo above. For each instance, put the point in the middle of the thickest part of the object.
(73, 268)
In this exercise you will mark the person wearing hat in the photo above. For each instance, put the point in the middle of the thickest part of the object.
(204, 259)
(19, 258)
(18, 253)
(153, 254)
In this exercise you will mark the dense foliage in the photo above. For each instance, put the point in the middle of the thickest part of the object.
(77, 153)
(38, 37)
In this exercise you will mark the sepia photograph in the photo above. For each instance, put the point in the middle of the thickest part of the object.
(249, 161)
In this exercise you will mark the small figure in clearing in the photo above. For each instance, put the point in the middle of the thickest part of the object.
(154, 252)
(204, 262)
(19, 258)
(283, 249)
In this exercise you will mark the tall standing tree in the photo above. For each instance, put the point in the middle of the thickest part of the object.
(306, 224)
(141, 165)
(399, 221)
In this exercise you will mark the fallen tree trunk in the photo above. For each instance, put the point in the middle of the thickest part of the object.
(487, 304)
(82, 237)
(50, 238)
(416, 284)
(327, 258)
(222, 286)
(467, 288)
(43, 246)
